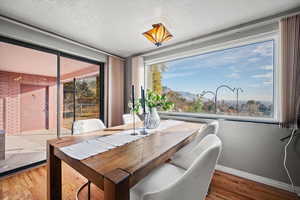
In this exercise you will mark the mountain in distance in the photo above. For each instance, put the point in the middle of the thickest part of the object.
(233, 102)
(191, 97)
(186, 95)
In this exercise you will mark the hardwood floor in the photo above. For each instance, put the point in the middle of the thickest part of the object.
(31, 185)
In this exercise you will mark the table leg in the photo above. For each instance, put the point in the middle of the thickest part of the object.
(54, 182)
(116, 185)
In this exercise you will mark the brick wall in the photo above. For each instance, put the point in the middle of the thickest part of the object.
(10, 104)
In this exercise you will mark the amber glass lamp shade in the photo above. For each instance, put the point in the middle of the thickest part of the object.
(158, 34)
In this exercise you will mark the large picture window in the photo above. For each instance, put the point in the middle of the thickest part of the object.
(232, 82)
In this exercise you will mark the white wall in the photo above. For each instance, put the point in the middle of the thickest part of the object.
(257, 149)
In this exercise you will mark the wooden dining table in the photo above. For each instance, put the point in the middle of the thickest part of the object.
(117, 170)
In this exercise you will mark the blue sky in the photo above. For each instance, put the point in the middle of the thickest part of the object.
(249, 67)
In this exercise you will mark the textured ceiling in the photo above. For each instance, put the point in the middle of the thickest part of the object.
(116, 25)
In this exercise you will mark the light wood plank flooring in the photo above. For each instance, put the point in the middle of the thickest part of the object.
(31, 185)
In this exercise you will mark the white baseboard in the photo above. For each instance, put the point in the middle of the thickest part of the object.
(259, 179)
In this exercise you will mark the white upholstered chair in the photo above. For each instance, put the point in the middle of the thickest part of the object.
(87, 125)
(128, 118)
(170, 182)
(179, 158)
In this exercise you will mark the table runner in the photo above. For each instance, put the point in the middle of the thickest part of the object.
(101, 144)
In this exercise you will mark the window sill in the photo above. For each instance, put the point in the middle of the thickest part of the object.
(199, 117)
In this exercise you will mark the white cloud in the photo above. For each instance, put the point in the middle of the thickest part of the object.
(234, 69)
(180, 74)
(234, 75)
(264, 50)
(267, 67)
(254, 85)
(232, 58)
(253, 59)
(269, 82)
(268, 78)
(267, 75)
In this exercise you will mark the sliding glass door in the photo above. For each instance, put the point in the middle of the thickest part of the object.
(82, 91)
(42, 92)
(28, 102)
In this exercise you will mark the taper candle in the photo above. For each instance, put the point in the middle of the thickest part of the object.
(132, 96)
(143, 99)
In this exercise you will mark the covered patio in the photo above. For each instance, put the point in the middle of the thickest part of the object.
(28, 101)
(27, 148)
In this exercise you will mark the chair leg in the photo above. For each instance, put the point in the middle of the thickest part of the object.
(81, 187)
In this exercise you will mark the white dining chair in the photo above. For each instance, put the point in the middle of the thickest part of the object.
(87, 125)
(179, 158)
(169, 182)
(128, 118)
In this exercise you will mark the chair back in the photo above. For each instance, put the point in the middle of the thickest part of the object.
(128, 118)
(194, 183)
(212, 128)
(87, 125)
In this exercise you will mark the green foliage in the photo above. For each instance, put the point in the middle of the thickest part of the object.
(197, 106)
(84, 90)
(155, 100)
(181, 104)
(137, 107)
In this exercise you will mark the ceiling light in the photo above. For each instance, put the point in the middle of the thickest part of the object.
(158, 34)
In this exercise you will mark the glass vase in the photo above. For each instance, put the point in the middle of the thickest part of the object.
(152, 119)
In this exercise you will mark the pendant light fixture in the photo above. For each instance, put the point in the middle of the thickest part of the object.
(158, 34)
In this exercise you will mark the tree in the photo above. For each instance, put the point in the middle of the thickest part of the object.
(156, 71)
(252, 106)
(263, 108)
(211, 107)
(83, 90)
(197, 106)
(250, 102)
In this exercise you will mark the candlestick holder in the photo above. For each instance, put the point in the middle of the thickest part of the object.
(134, 129)
(143, 131)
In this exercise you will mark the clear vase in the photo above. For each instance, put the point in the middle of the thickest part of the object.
(152, 119)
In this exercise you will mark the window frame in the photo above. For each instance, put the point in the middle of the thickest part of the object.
(274, 36)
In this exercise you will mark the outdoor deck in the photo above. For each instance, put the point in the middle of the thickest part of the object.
(26, 148)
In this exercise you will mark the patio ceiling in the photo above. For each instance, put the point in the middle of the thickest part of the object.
(24, 60)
